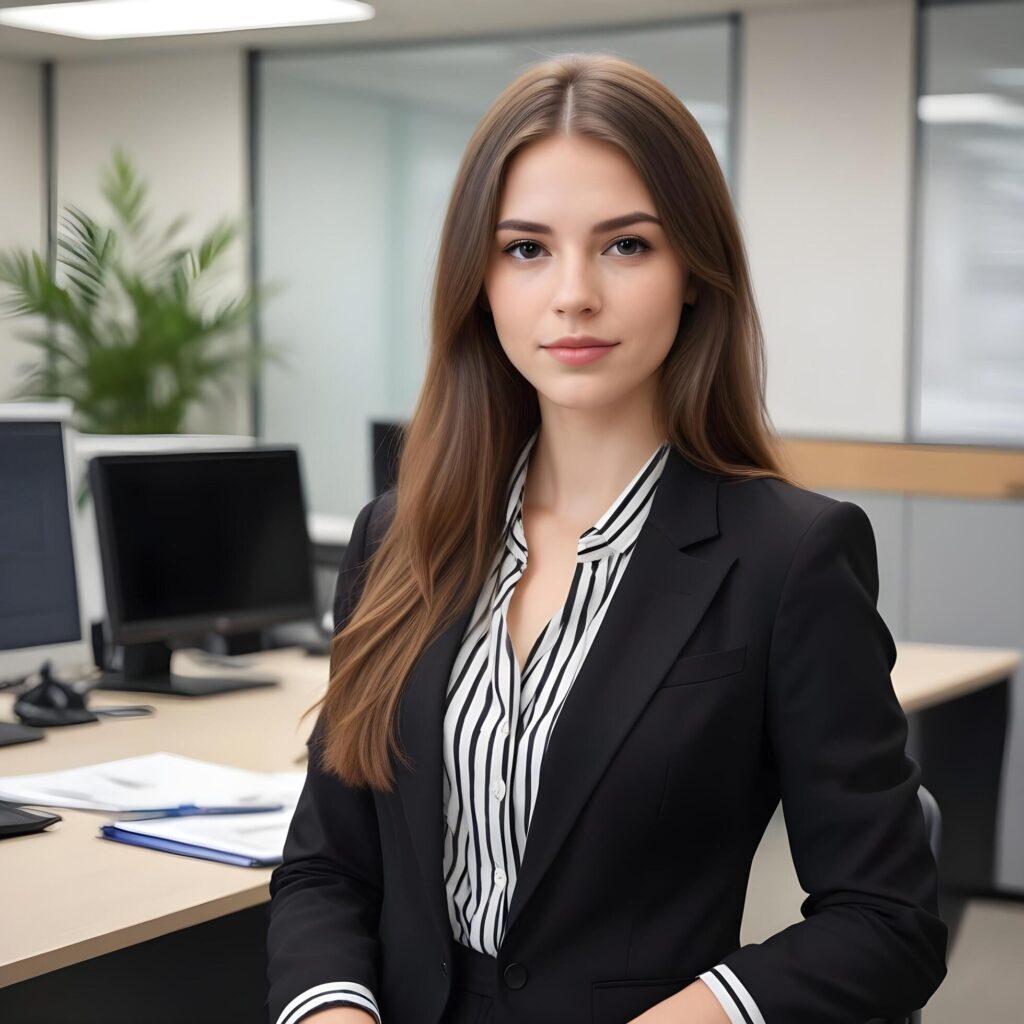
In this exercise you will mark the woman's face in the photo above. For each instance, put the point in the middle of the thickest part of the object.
(556, 270)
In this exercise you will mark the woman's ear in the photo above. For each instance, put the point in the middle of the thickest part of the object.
(690, 299)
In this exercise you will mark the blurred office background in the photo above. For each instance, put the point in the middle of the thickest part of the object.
(875, 151)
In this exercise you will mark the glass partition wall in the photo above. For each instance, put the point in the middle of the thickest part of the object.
(969, 273)
(356, 151)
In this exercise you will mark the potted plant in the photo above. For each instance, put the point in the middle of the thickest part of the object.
(129, 334)
(135, 332)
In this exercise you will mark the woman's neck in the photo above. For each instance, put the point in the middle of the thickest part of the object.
(575, 474)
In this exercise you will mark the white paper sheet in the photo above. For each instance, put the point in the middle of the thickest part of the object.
(152, 781)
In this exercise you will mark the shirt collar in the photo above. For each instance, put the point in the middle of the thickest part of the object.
(618, 527)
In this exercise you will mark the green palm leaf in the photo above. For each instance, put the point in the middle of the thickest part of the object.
(127, 336)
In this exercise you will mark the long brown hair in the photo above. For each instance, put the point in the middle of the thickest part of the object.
(475, 410)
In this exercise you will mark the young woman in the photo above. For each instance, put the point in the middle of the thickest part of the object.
(595, 635)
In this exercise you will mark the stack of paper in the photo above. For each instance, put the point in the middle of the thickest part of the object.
(249, 840)
(176, 804)
(151, 782)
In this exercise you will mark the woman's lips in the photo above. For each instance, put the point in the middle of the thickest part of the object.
(578, 356)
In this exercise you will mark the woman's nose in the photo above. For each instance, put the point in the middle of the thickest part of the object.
(577, 288)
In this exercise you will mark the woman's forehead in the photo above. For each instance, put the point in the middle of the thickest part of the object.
(572, 185)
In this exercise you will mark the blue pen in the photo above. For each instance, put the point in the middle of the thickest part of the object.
(190, 810)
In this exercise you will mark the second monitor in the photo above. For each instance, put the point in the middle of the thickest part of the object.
(193, 542)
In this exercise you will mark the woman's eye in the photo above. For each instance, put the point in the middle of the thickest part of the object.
(510, 249)
(631, 240)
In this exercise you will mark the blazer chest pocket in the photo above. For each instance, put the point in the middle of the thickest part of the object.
(697, 668)
(616, 1002)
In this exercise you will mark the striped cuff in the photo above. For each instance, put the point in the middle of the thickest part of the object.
(348, 993)
(737, 1002)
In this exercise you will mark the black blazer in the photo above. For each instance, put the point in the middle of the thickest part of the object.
(741, 660)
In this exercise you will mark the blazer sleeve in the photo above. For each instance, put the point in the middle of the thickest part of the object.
(325, 894)
(872, 943)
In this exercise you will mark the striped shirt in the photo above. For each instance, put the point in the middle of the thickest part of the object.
(498, 719)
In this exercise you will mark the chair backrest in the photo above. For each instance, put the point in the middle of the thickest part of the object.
(933, 826)
(932, 819)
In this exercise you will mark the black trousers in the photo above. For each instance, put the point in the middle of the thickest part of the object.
(473, 982)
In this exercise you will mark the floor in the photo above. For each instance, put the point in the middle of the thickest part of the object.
(985, 983)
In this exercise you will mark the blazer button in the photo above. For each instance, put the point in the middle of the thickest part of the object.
(515, 975)
(444, 968)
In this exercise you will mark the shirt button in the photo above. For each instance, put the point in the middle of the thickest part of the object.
(499, 877)
(498, 789)
(444, 968)
(503, 728)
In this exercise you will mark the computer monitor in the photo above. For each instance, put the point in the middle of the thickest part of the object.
(387, 438)
(84, 448)
(198, 541)
(40, 607)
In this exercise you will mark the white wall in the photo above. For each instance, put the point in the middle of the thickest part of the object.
(183, 119)
(825, 175)
(22, 197)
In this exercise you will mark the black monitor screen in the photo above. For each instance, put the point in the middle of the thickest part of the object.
(387, 439)
(217, 538)
(38, 591)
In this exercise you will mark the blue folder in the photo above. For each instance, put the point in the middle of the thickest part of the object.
(185, 849)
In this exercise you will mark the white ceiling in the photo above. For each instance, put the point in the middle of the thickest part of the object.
(397, 20)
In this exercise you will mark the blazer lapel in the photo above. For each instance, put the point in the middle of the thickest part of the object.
(421, 733)
(661, 598)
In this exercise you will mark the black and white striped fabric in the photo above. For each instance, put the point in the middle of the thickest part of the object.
(498, 719)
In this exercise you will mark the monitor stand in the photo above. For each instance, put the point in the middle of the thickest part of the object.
(147, 669)
(15, 732)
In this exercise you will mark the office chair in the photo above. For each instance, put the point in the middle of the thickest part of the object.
(933, 826)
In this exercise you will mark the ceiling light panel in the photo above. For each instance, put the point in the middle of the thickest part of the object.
(121, 19)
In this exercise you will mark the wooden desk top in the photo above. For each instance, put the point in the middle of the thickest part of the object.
(101, 896)
(926, 674)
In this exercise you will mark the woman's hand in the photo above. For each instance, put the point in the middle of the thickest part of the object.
(695, 1004)
(340, 1015)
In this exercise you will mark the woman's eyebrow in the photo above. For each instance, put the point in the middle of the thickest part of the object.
(625, 220)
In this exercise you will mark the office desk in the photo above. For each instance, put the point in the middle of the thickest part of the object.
(70, 896)
(957, 703)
